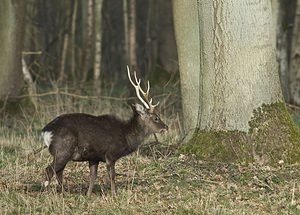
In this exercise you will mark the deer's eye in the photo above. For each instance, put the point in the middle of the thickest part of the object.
(156, 118)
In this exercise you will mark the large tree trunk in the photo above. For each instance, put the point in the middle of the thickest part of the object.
(12, 14)
(229, 79)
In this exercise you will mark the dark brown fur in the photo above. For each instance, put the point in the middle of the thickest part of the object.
(105, 138)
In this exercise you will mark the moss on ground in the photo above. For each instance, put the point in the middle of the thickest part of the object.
(272, 137)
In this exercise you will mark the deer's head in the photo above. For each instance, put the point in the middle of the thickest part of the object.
(146, 111)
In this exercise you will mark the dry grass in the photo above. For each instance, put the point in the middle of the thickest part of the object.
(155, 180)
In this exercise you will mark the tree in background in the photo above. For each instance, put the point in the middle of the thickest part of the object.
(284, 13)
(12, 21)
(294, 59)
(232, 102)
(66, 32)
(98, 41)
(130, 44)
(286, 17)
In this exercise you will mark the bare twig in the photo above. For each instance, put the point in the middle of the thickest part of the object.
(32, 52)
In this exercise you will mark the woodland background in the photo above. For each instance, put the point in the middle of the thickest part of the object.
(83, 43)
(71, 56)
(75, 43)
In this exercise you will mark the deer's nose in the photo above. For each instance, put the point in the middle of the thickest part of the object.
(165, 129)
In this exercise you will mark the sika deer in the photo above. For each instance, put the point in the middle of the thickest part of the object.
(105, 138)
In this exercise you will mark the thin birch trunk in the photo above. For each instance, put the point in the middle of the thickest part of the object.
(132, 34)
(89, 38)
(126, 40)
(98, 42)
(73, 41)
(63, 59)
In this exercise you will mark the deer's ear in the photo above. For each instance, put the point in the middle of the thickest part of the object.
(139, 109)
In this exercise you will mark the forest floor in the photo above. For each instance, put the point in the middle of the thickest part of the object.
(156, 183)
(155, 180)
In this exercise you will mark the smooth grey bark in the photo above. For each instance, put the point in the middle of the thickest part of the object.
(227, 61)
(11, 37)
(187, 32)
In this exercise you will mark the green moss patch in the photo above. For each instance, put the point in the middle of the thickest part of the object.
(272, 137)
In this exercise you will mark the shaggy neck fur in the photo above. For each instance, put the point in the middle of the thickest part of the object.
(136, 132)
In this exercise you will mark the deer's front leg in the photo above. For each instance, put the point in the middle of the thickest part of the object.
(113, 176)
(93, 165)
(110, 166)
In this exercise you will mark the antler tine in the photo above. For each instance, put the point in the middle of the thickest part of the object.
(145, 94)
(137, 88)
(129, 77)
(148, 87)
(152, 106)
(135, 77)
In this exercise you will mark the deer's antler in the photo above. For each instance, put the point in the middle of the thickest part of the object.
(137, 85)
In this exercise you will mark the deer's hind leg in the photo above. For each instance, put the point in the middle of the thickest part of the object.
(62, 149)
(56, 167)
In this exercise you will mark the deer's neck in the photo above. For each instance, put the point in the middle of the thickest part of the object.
(136, 133)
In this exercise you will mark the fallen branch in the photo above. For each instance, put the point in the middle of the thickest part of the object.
(292, 106)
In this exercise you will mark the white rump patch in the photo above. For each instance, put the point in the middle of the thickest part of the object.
(46, 183)
(47, 137)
